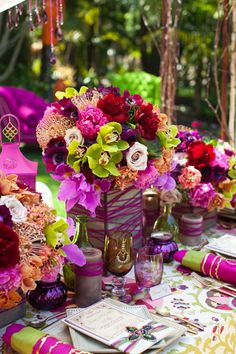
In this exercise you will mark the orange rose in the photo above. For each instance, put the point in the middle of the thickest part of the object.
(217, 203)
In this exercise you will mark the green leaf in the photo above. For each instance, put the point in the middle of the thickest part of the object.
(154, 147)
(82, 90)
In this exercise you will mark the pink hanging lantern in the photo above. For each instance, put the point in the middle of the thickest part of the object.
(11, 158)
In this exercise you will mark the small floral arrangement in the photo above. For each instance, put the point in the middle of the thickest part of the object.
(97, 140)
(205, 170)
(33, 244)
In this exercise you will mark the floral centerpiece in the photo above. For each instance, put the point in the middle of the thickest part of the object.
(98, 140)
(204, 171)
(33, 243)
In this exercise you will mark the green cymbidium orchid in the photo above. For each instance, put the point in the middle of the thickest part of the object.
(103, 163)
(56, 233)
(57, 237)
(168, 138)
(70, 92)
(76, 155)
(109, 138)
(232, 168)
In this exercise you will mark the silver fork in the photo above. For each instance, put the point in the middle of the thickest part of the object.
(208, 283)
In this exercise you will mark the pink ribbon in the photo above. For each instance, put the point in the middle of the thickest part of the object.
(90, 269)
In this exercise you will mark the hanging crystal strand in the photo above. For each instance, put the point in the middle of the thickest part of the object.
(44, 15)
(17, 16)
(20, 9)
(37, 17)
(52, 54)
(61, 16)
(10, 23)
(58, 31)
(31, 25)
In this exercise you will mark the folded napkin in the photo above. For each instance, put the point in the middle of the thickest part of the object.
(209, 264)
(28, 340)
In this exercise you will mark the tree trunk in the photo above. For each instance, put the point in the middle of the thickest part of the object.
(169, 58)
(232, 111)
(224, 79)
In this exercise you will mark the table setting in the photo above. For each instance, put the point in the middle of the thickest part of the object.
(124, 271)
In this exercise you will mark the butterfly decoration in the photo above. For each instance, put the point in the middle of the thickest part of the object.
(144, 332)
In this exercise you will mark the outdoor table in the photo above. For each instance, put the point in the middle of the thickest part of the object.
(214, 310)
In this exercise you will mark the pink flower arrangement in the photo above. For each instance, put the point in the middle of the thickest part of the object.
(112, 141)
(204, 170)
(30, 250)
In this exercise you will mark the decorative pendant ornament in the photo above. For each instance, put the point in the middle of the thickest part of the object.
(37, 17)
(31, 25)
(52, 56)
(10, 23)
(58, 31)
(44, 15)
(61, 12)
(17, 16)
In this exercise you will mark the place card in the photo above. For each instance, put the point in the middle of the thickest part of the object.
(159, 291)
(118, 328)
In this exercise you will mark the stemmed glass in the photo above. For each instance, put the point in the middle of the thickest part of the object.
(118, 256)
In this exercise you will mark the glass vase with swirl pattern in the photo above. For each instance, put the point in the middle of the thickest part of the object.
(118, 256)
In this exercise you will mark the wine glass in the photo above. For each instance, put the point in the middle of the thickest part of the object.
(148, 268)
(118, 256)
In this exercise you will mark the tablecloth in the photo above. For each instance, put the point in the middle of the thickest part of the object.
(213, 309)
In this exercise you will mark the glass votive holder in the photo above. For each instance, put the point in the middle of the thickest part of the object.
(148, 268)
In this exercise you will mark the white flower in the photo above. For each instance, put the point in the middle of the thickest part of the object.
(73, 134)
(17, 210)
(137, 157)
(181, 158)
(170, 197)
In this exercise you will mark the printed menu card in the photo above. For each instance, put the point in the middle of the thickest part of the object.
(118, 328)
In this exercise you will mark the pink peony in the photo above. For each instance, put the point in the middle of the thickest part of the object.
(10, 278)
(146, 178)
(89, 122)
(190, 177)
(202, 195)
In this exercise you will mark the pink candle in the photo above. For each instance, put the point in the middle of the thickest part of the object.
(88, 283)
(191, 229)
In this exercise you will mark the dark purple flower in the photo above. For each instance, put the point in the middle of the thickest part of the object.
(233, 201)
(129, 134)
(103, 184)
(229, 152)
(5, 216)
(55, 154)
(110, 89)
(218, 174)
(133, 100)
(66, 108)
(214, 174)
(62, 172)
(186, 138)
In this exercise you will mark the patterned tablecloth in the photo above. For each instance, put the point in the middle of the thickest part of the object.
(214, 310)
